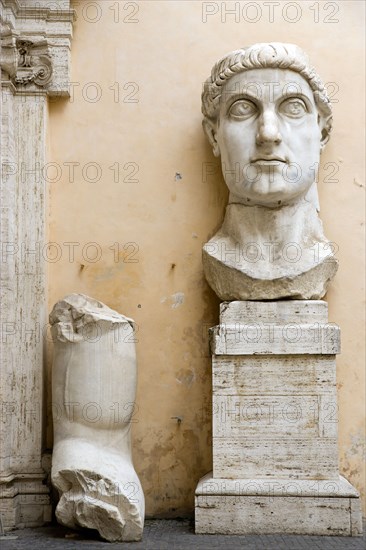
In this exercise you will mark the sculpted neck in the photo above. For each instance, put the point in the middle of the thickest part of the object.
(293, 226)
(263, 253)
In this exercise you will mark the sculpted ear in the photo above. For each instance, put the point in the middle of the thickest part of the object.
(210, 131)
(325, 126)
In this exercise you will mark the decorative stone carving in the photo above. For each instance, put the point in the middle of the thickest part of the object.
(35, 46)
(8, 51)
(24, 59)
(93, 393)
(34, 62)
(267, 115)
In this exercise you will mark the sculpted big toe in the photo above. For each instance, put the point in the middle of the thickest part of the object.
(93, 388)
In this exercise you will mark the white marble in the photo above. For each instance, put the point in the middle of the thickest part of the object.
(93, 400)
(267, 115)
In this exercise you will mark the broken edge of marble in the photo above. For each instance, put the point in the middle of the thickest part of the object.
(72, 314)
(234, 282)
(98, 501)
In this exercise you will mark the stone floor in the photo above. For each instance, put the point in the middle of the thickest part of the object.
(171, 535)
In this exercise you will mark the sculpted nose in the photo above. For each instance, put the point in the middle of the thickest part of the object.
(268, 130)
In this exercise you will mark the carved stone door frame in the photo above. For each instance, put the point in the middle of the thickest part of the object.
(35, 66)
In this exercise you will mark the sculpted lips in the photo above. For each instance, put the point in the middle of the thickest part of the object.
(268, 160)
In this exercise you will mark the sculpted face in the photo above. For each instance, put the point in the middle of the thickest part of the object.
(268, 134)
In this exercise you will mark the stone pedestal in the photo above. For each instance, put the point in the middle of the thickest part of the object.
(275, 454)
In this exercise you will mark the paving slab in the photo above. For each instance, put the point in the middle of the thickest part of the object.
(170, 535)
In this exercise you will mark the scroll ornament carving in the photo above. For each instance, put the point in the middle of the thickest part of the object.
(25, 60)
(34, 63)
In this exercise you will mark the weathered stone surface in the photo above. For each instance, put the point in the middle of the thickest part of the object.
(270, 339)
(35, 63)
(275, 424)
(278, 416)
(25, 501)
(93, 388)
(275, 328)
(337, 487)
(36, 45)
(288, 457)
(255, 506)
(280, 312)
(274, 415)
(273, 375)
(271, 244)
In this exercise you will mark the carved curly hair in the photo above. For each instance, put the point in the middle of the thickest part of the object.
(257, 56)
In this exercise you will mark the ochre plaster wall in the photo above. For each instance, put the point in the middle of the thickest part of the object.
(177, 203)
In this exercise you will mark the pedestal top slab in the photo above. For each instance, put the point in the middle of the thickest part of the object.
(278, 312)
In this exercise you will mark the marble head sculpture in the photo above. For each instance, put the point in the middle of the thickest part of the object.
(267, 115)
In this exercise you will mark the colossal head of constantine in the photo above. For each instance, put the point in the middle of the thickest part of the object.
(267, 115)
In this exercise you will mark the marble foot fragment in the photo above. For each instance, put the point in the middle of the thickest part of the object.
(94, 387)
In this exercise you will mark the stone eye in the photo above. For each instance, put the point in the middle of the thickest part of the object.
(242, 109)
(293, 107)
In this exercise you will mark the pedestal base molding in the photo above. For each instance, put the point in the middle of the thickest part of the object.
(25, 501)
(257, 506)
